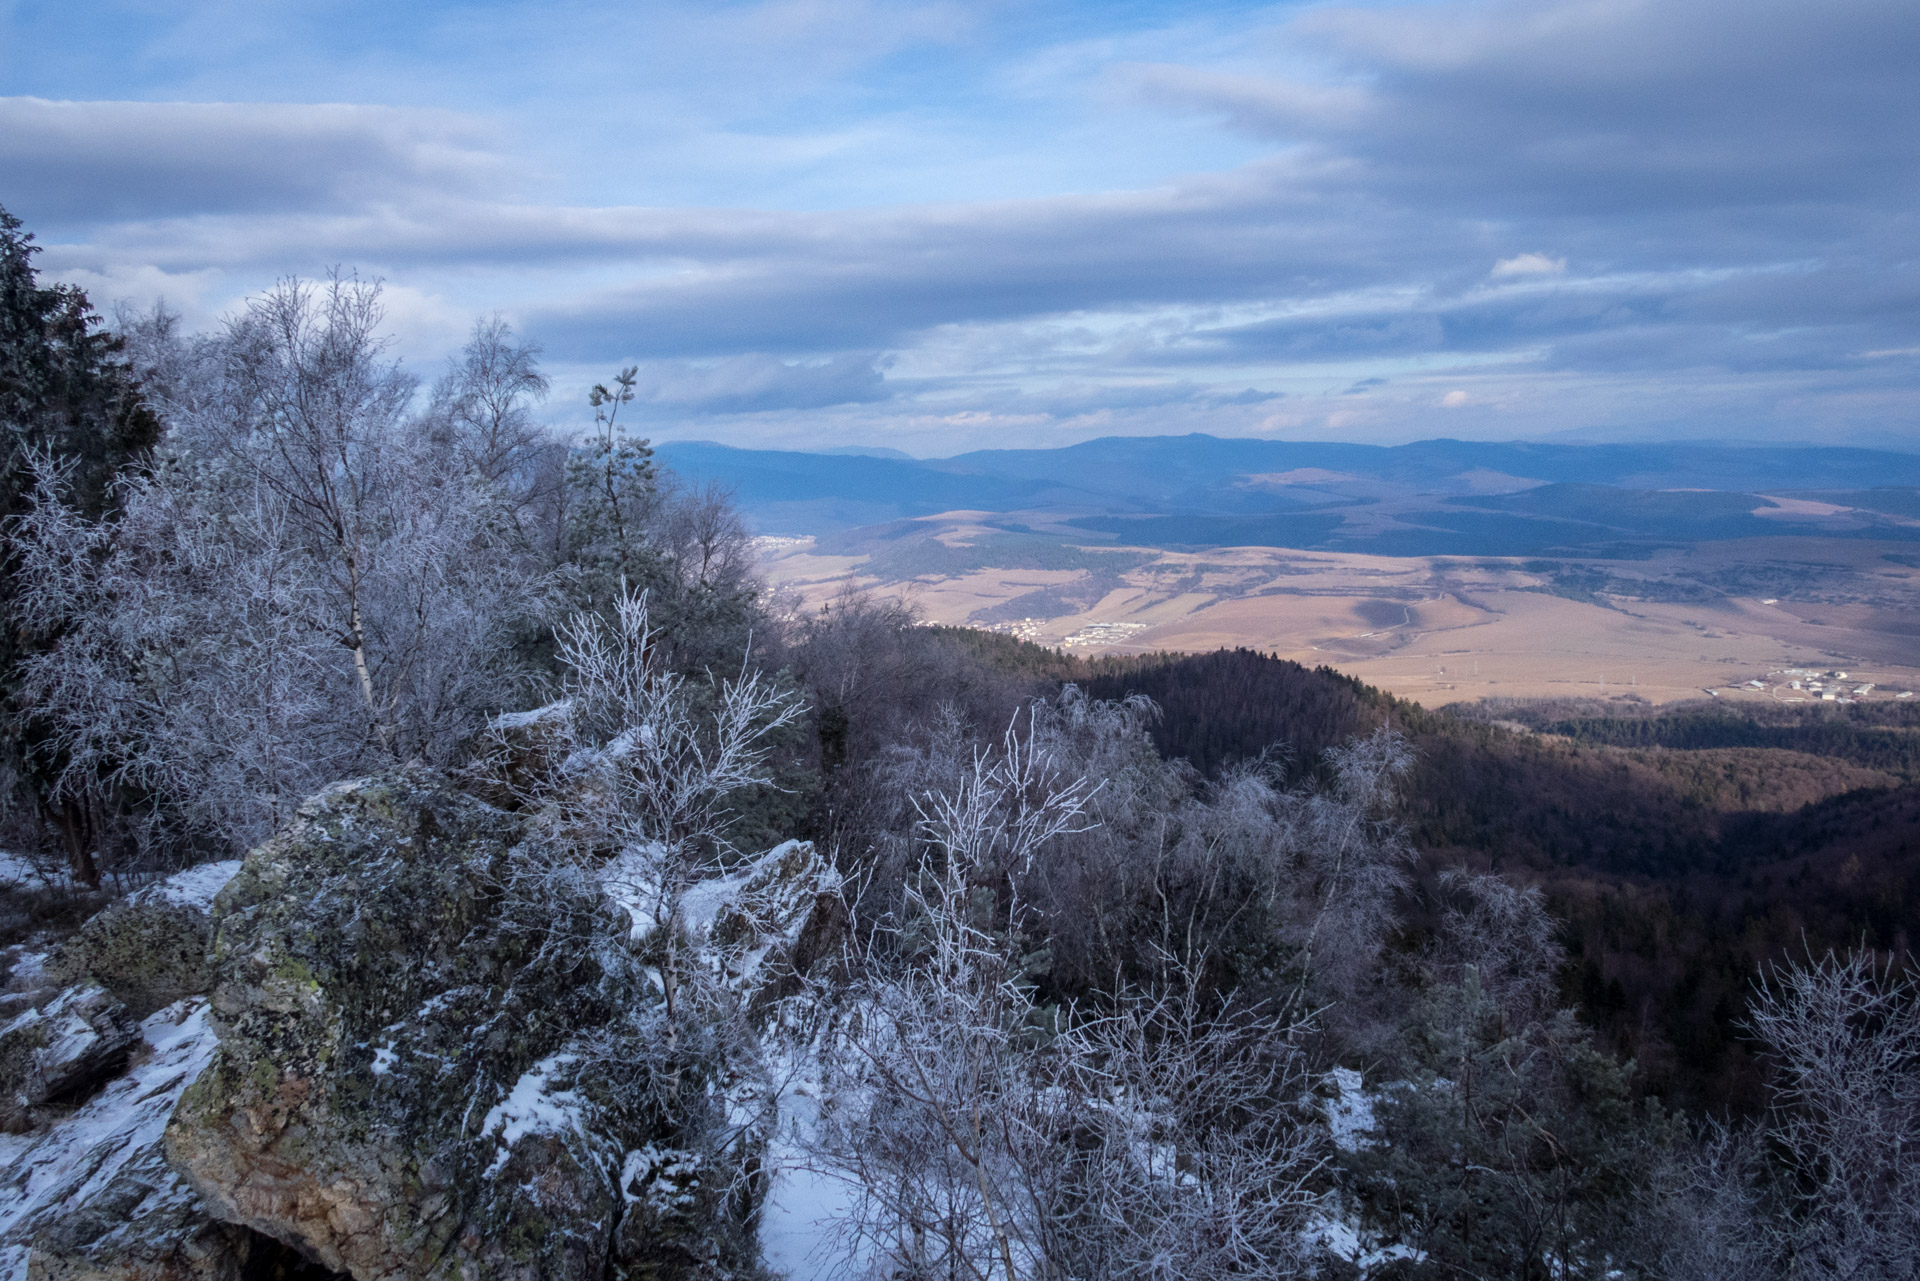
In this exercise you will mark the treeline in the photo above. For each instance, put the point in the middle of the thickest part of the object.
(1878, 736)
(1680, 859)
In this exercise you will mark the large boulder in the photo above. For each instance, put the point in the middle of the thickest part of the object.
(441, 1055)
(150, 949)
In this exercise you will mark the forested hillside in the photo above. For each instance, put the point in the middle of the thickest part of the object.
(1682, 852)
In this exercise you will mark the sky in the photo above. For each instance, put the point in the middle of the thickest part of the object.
(1016, 223)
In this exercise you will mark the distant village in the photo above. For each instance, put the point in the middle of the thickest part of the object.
(1809, 685)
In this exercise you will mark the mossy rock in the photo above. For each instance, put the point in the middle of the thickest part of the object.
(428, 1037)
(148, 953)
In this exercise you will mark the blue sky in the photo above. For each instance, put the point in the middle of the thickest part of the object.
(944, 226)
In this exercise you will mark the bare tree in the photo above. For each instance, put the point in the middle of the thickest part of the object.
(987, 1136)
(1845, 1036)
(1704, 1213)
(646, 763)
(483, 406)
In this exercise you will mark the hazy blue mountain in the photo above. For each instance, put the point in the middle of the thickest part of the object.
(1434, 497)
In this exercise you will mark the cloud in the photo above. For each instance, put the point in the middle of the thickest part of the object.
(1601, 105)
(91, 162)
(1695, 207)
(756, 383)
(1529, 265)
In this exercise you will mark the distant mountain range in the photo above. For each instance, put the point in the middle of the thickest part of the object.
(1436, 497)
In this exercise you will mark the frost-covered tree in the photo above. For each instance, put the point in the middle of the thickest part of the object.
(1508, 1143)
(644, 765)
(303, 586)
(630, 528)
(68, 399)
(1826, 1184)
(482, 410)
(987, 1133)
(1844, 1032)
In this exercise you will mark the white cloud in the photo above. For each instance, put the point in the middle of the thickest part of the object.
(715, 193)
(1529, 265)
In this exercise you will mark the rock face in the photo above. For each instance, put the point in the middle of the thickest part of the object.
(85, 1188)
(64, 1048)
(441, 1055)
(92, 1196)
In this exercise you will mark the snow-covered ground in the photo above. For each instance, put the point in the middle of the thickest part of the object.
(194, 887)
(44, 1175)
(798, 1237)
(1349, 1110)
(17, 871)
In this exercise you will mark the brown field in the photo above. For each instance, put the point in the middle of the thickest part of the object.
(1446, 629)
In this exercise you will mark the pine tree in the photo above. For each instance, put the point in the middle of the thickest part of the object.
(67, 400)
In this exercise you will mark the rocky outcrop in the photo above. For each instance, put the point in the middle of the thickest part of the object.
(405, 1041)
(85, 1188)
(60, 1050)
(442, 1056)
(151, 949)
(90, 1195)
(769, 923)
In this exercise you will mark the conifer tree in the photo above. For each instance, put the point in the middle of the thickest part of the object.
(65, 398)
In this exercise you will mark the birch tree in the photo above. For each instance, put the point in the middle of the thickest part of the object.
(301, 587)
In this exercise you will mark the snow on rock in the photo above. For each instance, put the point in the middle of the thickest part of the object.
(779, 907)
(1349, 1111)
(195, 887)
(537, 1104)
(94, 1186)
(63, 1047)
(151, 948)
(772, 917)
(432, 1039)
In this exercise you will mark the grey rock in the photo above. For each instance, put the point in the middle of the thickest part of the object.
(60, 1051)
(90, 1194)
(439, 1053)
(148, 952)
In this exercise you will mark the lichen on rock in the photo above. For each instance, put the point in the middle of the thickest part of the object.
(148, 952)
(437, 1048)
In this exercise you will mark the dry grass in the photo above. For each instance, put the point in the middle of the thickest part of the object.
(1443, 629)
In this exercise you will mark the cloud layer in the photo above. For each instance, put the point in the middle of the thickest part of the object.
(986, 225)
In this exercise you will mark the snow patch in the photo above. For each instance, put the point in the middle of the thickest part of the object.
(19, 873)
(800, 1234)
(534, 1107)
(521, 720)
(46, 1175)
(195, 887)
(1350, 1111)
(632, 880)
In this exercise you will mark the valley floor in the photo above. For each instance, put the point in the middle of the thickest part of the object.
(1713, 618)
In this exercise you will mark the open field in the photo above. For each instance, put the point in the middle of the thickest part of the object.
(1713, 617)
